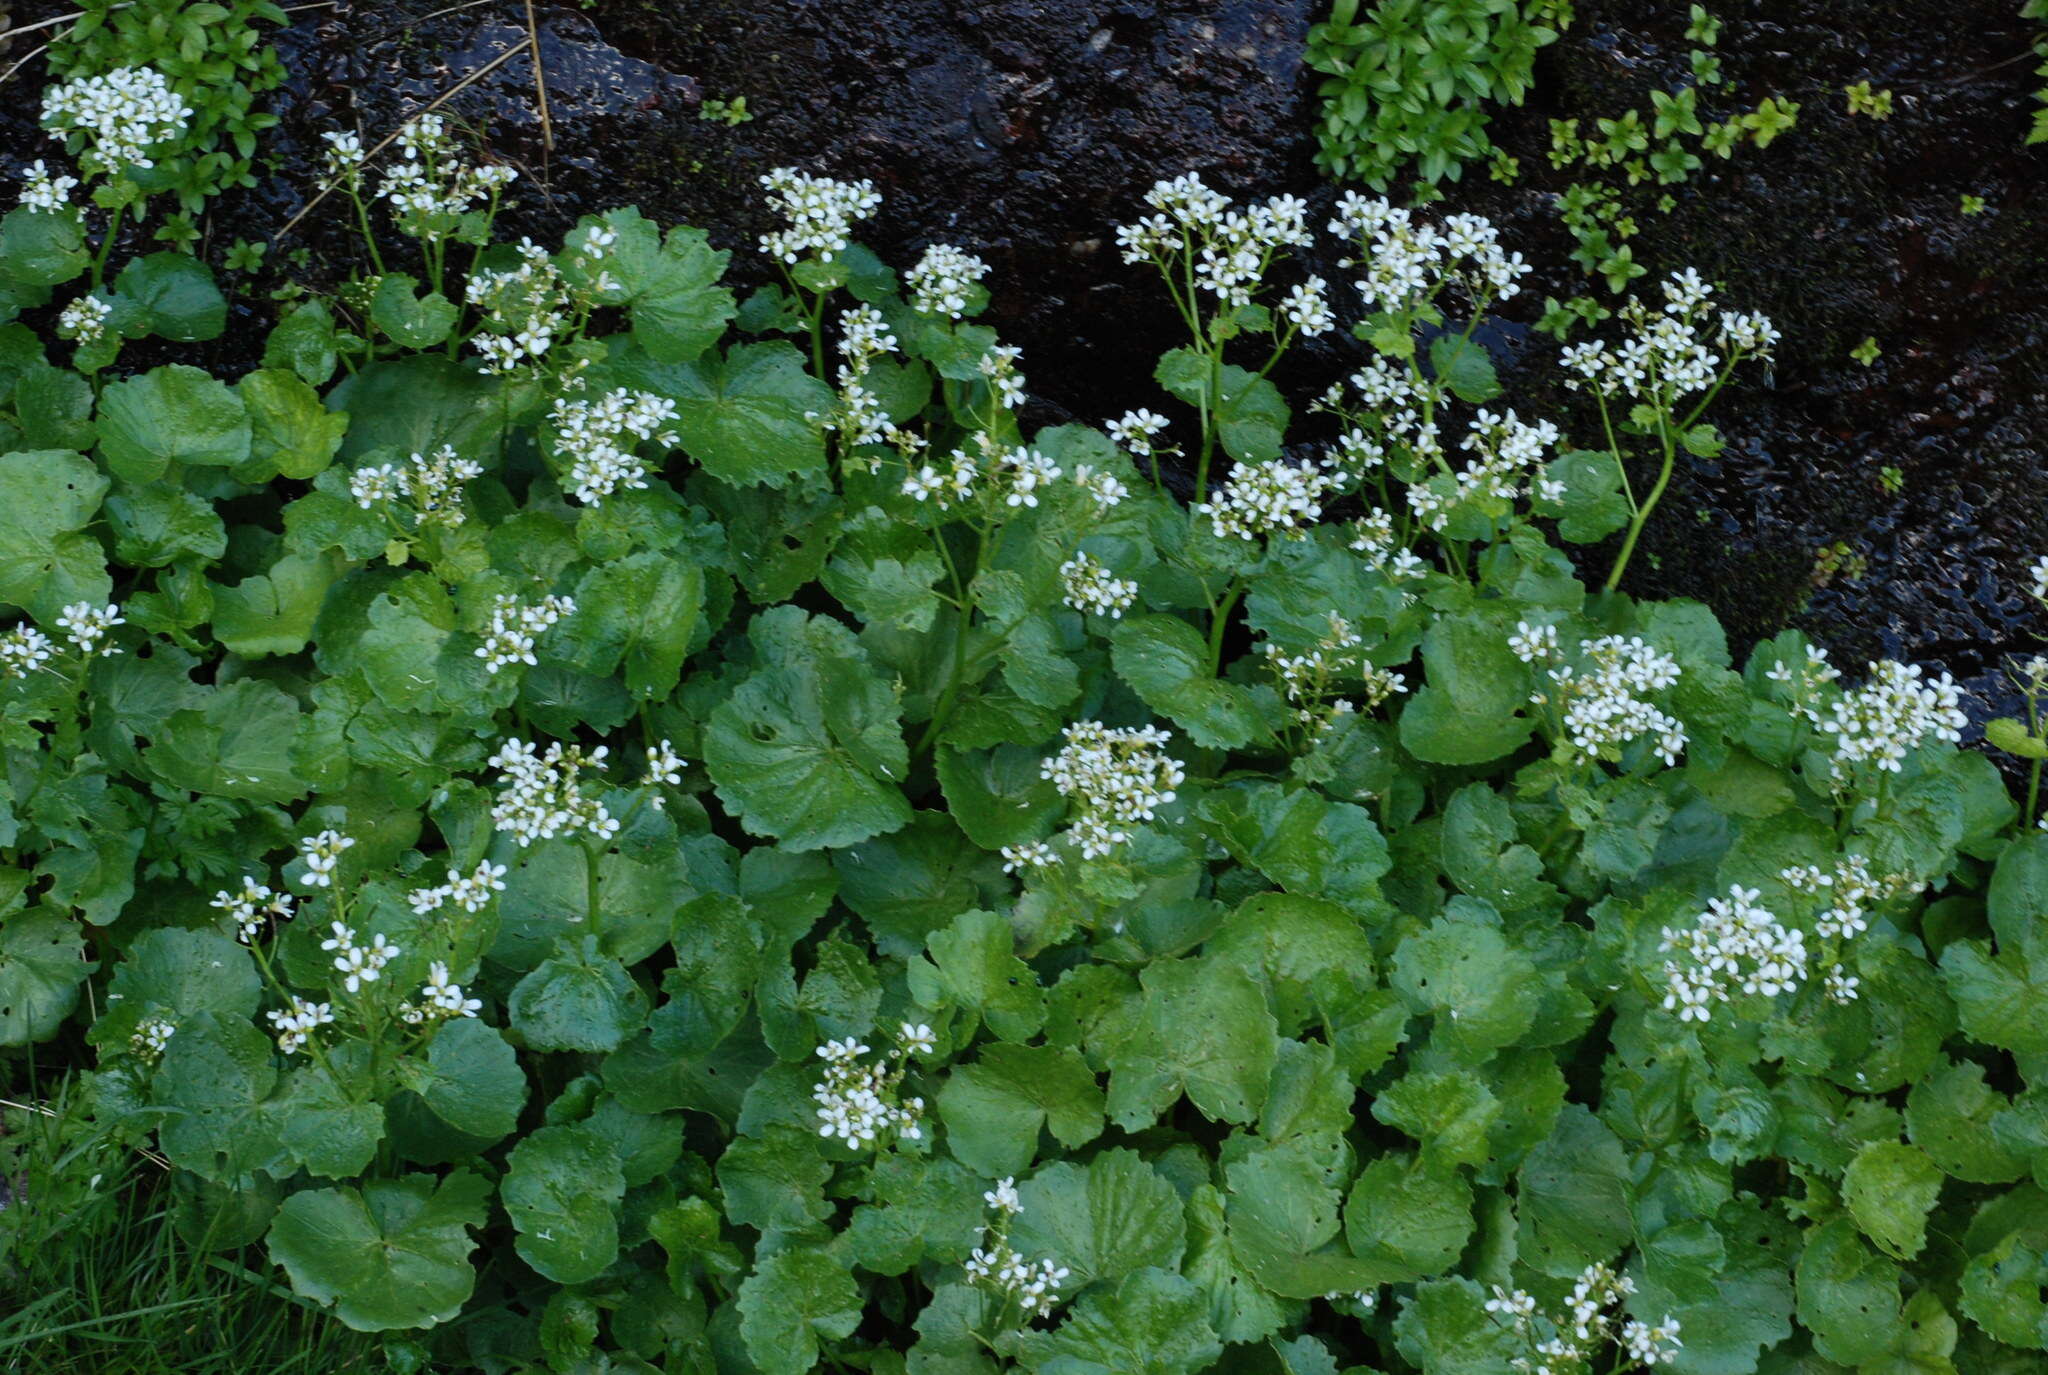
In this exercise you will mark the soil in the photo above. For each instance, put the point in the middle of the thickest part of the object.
(1024, 131)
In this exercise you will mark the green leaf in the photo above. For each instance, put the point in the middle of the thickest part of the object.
(793, 1303)
(328, 1133)
(1949, 1115)
(743, 416)
(1165, 661)
(562, 1191)
(213, 1086)
(392, 1254)
(42, 963)
(995, 1108)
(1154, 1323)
(238, 744)
(1301, 840)
(578, 999)
(470, 1078)
(1285, 1208)
(172, 414)
(1204, 1030)
(1483, 991)
(1848, 1295)
(1889, 1189)
(274, 612)
(176, 295)
(40, 249)
(292, 433)
(808, 749)
(1103, 1222)
(2019, 892)
(1406, 1221)
(1469, 711)
(670, 287)
(641, 611)
(973, 968)
(2003, 1289)
(775, 1181)
(1463, 365)
(47, 560)
(1446, 1330)
(1573, 1196)
(411, 320)
(997, 796)
(158, 524)
(305, 342)
(1251, 416)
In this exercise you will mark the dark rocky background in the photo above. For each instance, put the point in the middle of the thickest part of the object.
(1023, 131)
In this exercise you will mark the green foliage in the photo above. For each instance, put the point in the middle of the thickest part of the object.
(1410, 81)
(216, 58)
(656, 853)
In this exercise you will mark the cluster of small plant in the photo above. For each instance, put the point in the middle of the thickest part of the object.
(1411, 81)
(594, 824)
(1657, 147)
(2038, 10)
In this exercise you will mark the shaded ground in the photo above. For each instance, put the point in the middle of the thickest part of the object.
(1023, 131)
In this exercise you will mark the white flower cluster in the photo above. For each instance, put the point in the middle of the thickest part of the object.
(1667, 354)
(820, 212)
(1307, 308)
(1849, 892)
(1033, 855)
(150, 1037)
(859, 1102)
(1736, 943)
(863, 337)
(1373, 536)
(442, 999)
(1117, 777)
(296, 1023)
(1806, 679)
(1012, 474)
(23, 650)
(251, 906)
(1136, 430)
(599, 437)
(433, 188)
(84, 320)
(664, 765)
(1230, 250)
(472, 892)
(999, 366)
(543, 796)
(88, 627)
(1589, 1325)
(322, 854)
(1505, 451)
(1307, 678)
(527, 307)
(942, 279)
(515, 625)
(430, 483)
(2039, 574)
(998, 1267)
(1406, 262)
(345, 156)
(43, 192)
(121, 116)
(1090, 586)
(358, 964)
(1273, 497)
(1897, 710)
(1602, 703)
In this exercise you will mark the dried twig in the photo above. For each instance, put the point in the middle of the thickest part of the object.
(540, 81)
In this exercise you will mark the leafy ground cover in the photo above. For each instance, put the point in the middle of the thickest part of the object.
(593, 822)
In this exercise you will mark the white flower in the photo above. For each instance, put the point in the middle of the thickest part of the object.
(858, 1103)
(1116, 777)
(84, 320)
(1136, 430)
(296, 1023)
(430, 483)
(150, 1037)
(1104, 487)
(1532, 642)
(23, 650)
(344, 155)
(87, 626)
(1003, 1198)
(1307, 308)
(1274, 497)
(443, 997)
(916, 1038)
(664, 765)
(2040, 576)
(121, 116)
(943, 277)
(40, 191)
(321, 854)
(1897, 710)
(515, 625)
(252, 905)
(599, 438)
(1034, 855)
(1735, 944)
(1089, 586)
(542, 796)
(820, 212)
(1601, 702)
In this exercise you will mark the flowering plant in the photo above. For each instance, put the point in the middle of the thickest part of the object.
(683, 833)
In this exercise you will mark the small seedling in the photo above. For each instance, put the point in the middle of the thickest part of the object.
(1972, 205)
(1866, 352)
(728, 112)
(245, 256)
(1892, 479)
